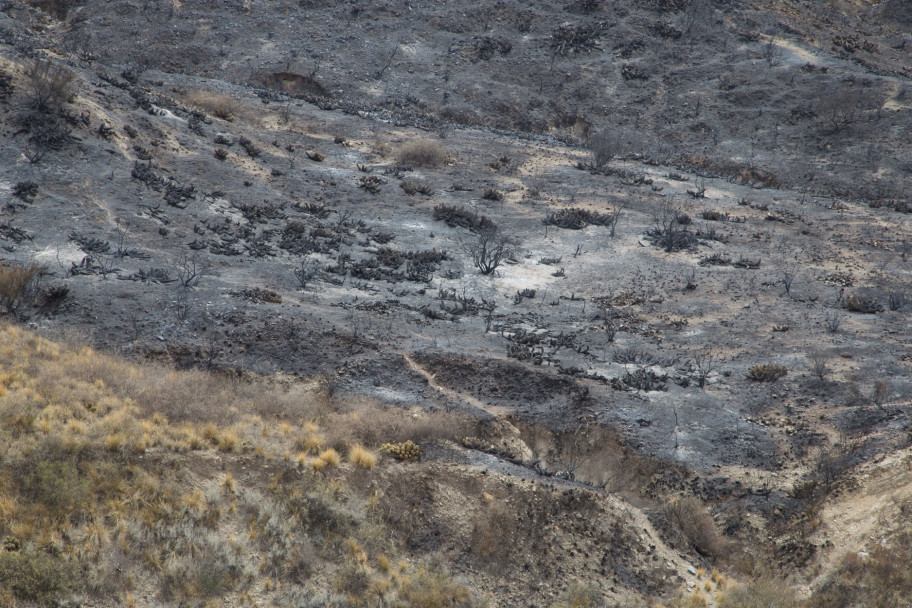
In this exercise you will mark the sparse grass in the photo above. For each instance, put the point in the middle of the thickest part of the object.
(880, 578)
(228, 483)
(580, 595)
(492, 534)
(219, 105)
(422, 152)
(392, 425)
(761, 593)
(433, 588)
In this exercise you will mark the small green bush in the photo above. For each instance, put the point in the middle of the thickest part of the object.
(766, 372)
(57, 485)
(406, 450)
(36, 577)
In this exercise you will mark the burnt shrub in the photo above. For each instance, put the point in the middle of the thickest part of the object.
(863, 301)
(49, 85)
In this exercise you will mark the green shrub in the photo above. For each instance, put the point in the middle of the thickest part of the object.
(57, 485)
(406, 450)
(36, 577)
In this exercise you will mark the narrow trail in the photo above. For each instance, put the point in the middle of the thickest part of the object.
(648, 534)
(498, 412)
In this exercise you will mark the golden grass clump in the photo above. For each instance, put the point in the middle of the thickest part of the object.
(383, 562)
(360, 456)
(330, 457)
(228, 440)
(357, 552)
(430, 587)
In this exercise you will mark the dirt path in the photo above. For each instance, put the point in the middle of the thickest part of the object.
(498, 412)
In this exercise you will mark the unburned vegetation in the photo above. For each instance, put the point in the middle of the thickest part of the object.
(120, 480)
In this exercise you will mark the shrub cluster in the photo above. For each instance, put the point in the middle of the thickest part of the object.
(406, 450)
(422, 152)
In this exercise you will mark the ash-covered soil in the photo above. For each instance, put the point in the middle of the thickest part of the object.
(683, 192)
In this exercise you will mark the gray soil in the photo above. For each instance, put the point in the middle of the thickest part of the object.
(782, 135)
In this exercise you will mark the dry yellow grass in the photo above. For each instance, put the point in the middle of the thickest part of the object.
(329, 457)
(357, 552)
(317, 465)
(362, 457)
(228, 440)
(383, 562)
(97, 469)
(310, 443)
